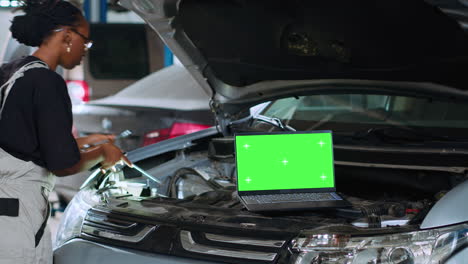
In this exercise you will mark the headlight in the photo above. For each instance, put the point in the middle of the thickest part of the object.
(427, 246)
(70, 224)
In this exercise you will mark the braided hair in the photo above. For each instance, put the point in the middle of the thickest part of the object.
(40, 18)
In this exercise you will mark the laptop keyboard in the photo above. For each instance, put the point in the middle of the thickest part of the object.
(290, 197)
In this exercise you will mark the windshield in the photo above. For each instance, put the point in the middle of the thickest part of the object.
(355, 112)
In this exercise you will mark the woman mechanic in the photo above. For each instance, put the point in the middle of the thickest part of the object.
(36, 141)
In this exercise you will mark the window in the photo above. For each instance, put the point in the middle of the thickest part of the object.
(120, 51)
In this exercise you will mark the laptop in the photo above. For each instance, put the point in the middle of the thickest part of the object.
(286, 171)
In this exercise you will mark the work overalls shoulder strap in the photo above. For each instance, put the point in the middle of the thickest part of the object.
(6, 87)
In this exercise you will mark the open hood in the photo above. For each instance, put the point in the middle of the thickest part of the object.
(248, 51)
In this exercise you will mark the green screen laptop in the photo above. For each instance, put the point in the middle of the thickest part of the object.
(286, 171)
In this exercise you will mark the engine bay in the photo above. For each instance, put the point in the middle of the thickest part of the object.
(205, 175)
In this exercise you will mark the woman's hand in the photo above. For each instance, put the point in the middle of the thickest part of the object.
(100, 137)
(107, 154)
(93, 139)
(113, 155)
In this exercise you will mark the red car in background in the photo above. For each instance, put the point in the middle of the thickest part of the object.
(163, 105)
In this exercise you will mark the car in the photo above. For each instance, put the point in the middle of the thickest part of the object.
(387, 78)
(165, 104)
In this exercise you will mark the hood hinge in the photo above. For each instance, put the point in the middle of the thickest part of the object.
(222, 119)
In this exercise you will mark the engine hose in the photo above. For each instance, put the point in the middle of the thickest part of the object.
(180, 173)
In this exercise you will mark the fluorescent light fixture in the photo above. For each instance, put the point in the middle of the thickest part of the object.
(4, 3)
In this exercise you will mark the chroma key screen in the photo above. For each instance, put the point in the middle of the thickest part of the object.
(284, 161)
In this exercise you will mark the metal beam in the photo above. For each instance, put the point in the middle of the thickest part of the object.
(95, 11)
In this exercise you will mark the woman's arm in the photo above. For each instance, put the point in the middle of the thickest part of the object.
(106, 154)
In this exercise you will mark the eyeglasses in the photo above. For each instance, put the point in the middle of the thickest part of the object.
(88, 43)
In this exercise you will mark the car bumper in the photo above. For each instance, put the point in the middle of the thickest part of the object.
(77, 251)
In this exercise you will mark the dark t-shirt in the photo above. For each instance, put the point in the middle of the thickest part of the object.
(36, 122)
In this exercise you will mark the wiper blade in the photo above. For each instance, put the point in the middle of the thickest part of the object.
(396, 134)
(273, 121)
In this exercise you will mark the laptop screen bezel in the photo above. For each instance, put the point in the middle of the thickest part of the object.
(282, 191)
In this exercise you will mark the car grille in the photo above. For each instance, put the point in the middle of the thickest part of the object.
(100, 225)
(207, 243)
(189, 244)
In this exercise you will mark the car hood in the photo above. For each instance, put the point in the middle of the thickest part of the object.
(170, 88)
(246, 52)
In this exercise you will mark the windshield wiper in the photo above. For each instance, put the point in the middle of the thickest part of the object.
(273, 121)
(402, 134)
